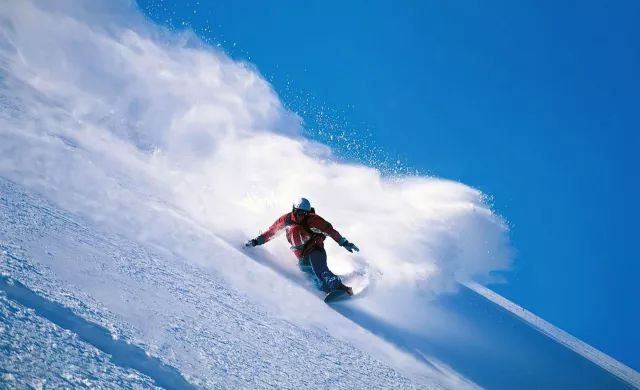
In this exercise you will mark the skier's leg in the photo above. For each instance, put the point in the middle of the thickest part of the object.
(318, 260)
(305, 266)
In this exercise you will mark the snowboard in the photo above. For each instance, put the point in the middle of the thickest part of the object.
(336, 295)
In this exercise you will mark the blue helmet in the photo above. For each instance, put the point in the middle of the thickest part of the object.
(302, 204)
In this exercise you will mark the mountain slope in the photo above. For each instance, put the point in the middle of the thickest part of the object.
(187, 316)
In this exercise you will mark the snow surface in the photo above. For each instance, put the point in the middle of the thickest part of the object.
(186, 316)
(100, 298)
(38, 354)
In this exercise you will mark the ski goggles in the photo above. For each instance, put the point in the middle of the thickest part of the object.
(300, 212)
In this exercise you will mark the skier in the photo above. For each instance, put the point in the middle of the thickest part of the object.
(306, 232)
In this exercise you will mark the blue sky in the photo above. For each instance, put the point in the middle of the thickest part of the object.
(535, 104)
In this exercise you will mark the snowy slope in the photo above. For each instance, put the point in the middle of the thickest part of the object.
(36, 352)
(87, 309)
(188, 317)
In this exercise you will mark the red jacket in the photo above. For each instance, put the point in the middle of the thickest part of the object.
(302, 242)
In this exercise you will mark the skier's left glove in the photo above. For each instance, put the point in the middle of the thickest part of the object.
(254, 242)
(348, 245)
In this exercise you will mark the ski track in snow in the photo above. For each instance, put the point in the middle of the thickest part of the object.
(122, 354)
(188, 318)
(625, 373)
(37, 354)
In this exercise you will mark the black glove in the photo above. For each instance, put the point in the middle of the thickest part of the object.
(254, 242)
(348, 245)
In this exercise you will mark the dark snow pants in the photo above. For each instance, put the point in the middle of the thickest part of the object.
(315, 263)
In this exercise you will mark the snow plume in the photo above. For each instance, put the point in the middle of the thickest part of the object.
(135, 128)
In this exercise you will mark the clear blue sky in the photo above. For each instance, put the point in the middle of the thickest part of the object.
(535, 103)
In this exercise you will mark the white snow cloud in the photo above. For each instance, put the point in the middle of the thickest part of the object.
(130, 125)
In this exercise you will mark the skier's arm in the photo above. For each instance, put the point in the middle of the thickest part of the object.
(320, 225)
(317, 224)
(350, 246)
(274, 229)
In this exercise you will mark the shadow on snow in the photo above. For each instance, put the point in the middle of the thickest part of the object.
(511, 354)
(121, 353)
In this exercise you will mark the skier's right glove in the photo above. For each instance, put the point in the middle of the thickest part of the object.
(348, 245)
(254, 242)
